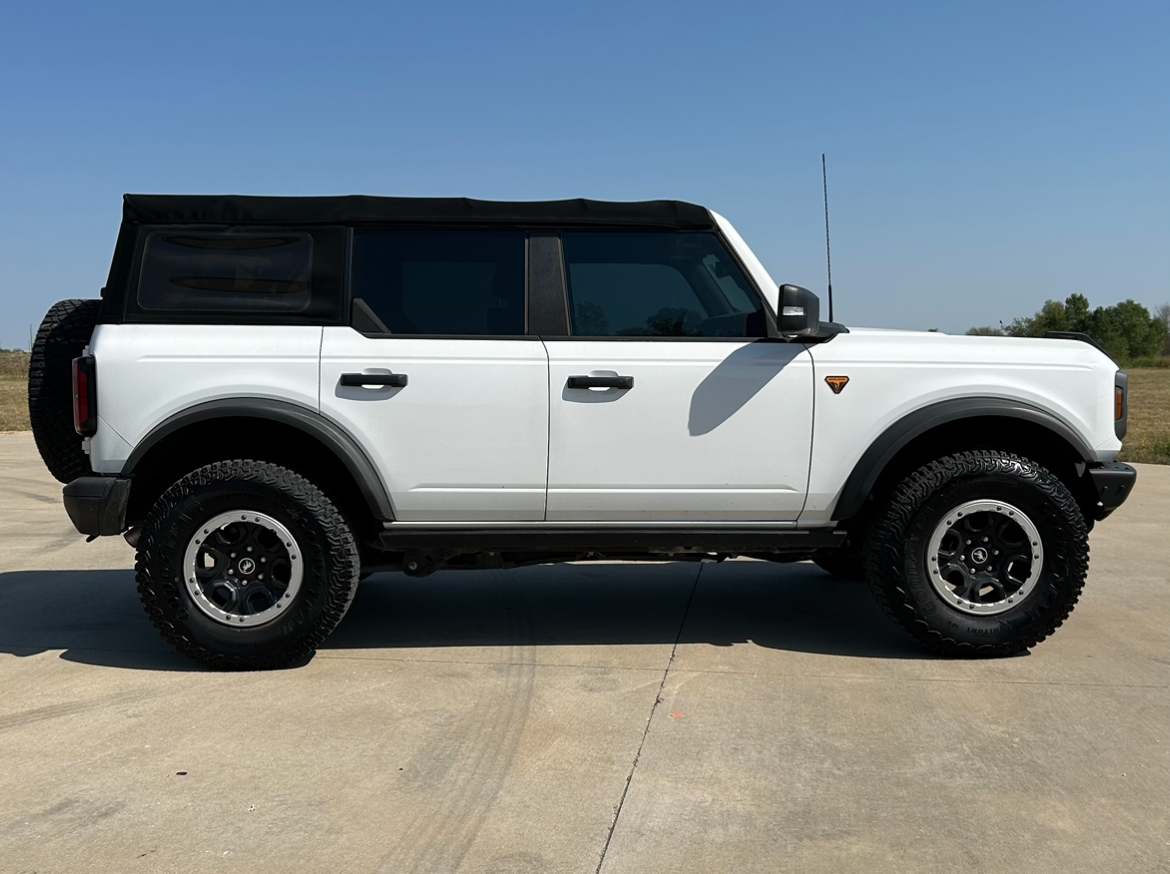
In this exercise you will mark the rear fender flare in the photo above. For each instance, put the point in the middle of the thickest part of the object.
(312, 423)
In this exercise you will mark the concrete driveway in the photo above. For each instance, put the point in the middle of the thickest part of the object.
(617, 718)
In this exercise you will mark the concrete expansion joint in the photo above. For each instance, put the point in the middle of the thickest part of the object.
(617, 812)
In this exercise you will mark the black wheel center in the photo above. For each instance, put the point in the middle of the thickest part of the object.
(244, 566)
(983, 555)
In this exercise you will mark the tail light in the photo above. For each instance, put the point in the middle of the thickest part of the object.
(85, 395)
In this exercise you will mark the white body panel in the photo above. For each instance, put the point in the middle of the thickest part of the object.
(465, 440)
(486, 430)
(711, 431)
(893, 373)
(147, 373)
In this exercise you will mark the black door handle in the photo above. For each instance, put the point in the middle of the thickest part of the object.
(388, 380)
(600, 382)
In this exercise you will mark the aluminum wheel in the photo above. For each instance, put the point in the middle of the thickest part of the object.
(984, 557)
(243, 568)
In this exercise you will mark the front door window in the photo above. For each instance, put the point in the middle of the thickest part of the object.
(658, 285)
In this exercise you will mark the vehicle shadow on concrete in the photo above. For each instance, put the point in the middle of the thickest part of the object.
(795, 607)
(95, 617)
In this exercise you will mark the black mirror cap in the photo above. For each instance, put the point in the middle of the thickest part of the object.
(800, 311)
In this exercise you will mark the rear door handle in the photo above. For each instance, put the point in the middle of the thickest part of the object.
(386, 380)
(600, 382)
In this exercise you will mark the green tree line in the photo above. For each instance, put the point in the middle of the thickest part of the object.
(1124, 330)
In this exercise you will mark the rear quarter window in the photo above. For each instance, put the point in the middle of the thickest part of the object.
(245, 272)
(238, 274)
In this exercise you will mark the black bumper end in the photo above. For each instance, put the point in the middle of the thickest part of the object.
(1112, 482)
(97, 504)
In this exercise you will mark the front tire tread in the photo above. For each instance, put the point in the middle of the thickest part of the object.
(884, 553)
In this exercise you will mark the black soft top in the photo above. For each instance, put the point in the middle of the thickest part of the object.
(233, 209)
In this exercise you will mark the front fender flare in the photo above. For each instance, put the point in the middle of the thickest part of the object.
(874, 460)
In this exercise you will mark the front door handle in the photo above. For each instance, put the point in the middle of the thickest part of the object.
(600, 382)
(384, 380)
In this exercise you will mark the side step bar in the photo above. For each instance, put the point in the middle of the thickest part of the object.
(664, 541)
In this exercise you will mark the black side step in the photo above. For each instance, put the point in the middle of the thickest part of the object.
(663, 540)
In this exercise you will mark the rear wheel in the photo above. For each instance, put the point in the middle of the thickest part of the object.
(246, 565)
(979, 554)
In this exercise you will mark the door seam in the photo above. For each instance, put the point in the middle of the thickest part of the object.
(320, 371)
(547, 422)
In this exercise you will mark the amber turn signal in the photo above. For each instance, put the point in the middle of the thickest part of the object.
(1118, 402)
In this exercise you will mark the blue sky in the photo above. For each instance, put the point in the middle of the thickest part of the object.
(982, 156)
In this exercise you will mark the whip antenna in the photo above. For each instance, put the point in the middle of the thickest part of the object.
(828, 252)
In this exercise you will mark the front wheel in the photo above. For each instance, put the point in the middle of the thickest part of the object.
(246, 565)
(979, 554)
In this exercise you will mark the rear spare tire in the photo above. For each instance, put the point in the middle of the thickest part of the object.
(63, 335)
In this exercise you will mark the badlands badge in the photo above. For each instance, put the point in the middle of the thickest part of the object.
(836, 383)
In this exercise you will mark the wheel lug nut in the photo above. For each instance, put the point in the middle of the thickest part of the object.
(250, 548)
(262, 558)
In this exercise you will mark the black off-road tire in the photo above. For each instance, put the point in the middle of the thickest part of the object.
(897, 564)
(63, 334)
(324, 538)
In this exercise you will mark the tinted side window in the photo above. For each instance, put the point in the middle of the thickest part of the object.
(234, 271)
(658, 285)
(441, 282)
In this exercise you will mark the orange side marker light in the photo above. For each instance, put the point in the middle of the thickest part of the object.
(836, 383)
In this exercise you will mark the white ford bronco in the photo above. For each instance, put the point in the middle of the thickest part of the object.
(276, 396)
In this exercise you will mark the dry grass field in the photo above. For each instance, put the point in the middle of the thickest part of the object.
(14, 391)
(1148, 439)
(1149, 407)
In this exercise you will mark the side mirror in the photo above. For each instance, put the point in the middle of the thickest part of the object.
(800, 311)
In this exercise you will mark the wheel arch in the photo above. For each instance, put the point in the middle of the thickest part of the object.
(964, 424)
(260, 428)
